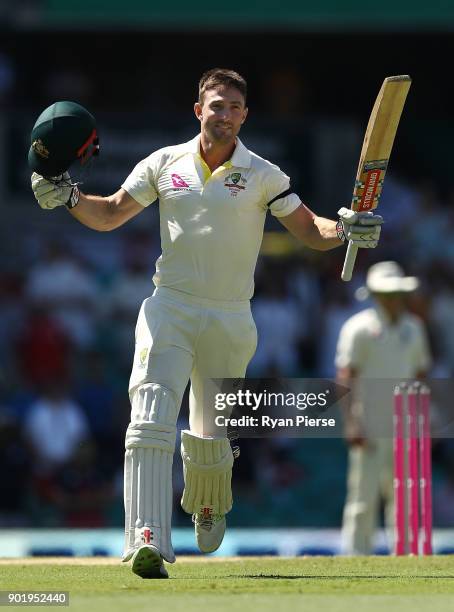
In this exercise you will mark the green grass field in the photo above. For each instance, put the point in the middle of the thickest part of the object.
(336, 584)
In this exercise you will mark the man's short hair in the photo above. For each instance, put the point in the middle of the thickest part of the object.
(221, 77)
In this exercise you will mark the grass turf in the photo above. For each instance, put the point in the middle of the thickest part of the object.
(336, 584)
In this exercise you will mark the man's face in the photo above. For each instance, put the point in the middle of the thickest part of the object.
(393, 303)
(221, 114)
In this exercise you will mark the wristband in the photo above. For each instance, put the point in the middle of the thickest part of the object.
(340, 230)
(73, 198)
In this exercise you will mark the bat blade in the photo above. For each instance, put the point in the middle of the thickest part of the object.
(375, 153)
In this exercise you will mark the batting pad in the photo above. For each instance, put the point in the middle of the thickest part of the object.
(150, 444)
(207, 465)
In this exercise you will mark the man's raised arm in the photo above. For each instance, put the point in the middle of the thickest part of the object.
(96, 212)
(323, 234)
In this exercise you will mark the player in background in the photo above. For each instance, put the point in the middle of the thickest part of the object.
(377, 347)
(213, 195)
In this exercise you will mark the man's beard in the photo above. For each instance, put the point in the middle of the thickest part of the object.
(221, 136)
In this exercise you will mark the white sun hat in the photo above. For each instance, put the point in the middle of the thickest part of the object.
(386, 277)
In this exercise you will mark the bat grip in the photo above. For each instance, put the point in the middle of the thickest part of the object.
(349, 261)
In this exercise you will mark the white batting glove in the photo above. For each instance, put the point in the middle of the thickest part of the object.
(56, 192)
(362, 228)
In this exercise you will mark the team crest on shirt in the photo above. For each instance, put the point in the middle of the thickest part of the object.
(235, 183)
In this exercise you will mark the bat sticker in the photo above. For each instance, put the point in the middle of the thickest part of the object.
(378, 164)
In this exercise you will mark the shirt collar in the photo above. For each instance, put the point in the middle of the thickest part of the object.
(241, 157)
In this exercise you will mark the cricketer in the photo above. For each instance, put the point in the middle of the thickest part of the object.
(384, 342)
(213, 195)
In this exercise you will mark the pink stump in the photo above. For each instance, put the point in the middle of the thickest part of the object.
(399, 472)
(413, 475)
(426, 470)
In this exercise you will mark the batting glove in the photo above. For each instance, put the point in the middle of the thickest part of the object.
(51, 193)
(362, 228)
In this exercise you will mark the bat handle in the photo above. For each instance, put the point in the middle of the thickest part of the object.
(349, 261)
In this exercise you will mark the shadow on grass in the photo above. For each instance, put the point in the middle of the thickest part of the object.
(339, 577)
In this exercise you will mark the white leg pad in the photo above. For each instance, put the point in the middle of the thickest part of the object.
(207, 464)
(150, 444)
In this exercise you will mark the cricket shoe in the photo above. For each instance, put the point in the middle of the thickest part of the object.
(147, 562)
(209, 529)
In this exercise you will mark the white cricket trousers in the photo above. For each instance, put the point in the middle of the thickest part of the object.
(178, 337)
(370, 479)
(181, 337)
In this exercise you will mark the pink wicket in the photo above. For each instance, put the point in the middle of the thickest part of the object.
(412, 455)
(426, 470)
(413, 479)
(399, 472)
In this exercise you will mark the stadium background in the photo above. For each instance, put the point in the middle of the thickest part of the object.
(70, 296)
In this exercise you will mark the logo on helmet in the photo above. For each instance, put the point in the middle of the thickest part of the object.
(40, 149)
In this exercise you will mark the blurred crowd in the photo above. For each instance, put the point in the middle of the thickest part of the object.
(67, 317)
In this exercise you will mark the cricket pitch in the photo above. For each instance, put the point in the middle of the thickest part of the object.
(332, 584)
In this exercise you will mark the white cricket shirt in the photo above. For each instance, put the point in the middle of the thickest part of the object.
(377, 349)
(211, 223)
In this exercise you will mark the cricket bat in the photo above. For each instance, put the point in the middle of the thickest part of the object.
(373, 162)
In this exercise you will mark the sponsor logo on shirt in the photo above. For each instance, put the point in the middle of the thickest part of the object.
(179, 184)
(235, 183)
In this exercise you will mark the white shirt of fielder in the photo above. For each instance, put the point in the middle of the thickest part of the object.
(382, 355)
(211, 223)
(375, 348)
(56, 428)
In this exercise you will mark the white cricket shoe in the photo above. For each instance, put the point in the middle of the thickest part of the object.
(147, 562)
(209, 530)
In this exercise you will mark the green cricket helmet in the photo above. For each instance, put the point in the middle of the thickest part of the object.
(63, 133)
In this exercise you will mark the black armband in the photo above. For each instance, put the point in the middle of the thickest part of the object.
(284, 194)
